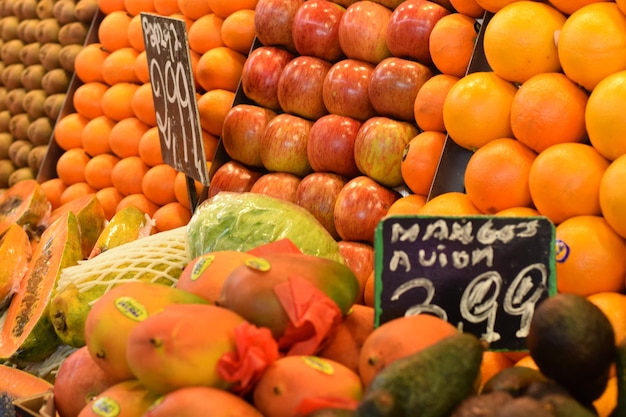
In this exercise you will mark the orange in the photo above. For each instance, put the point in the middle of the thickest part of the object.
(428, 105)
(224, 9)
(621, 4)
(238, 30)
(590, 256)
(612, 195)
(140, 201)
(181, 191)
(166, 7)
(109, 198)
(605, 123)
(158, 184)
(213, 107)
(369, 290)
(127, 175)
(570, 6)
(194, 9)
(452, 203)
(496, 175)
(87, 97)
(88, 62)
(528, 362)
(451, 43)
(135, 34)
(113, 30)
(95, 135)
(68, 131)
(592, 43)
(74, 191)
(399, 338)
(134, 7)
(518, 212)
(141, 67)
(150, 147)
(477, 109)
(210, 143)
(494, 5)
(613, 305)
(171, 216)
(420, 160)
(119, 66)
(71, 166)
(142, 104)
(492, 363)
(110, 6)
(606, 403)
(559, 185)
(53, 188)
(408, 204)
(220, 67)
(205, 33)
(116, 101)
(547, 109)
(125, 136)
(469, 8)
(98, 170)
(520, 40)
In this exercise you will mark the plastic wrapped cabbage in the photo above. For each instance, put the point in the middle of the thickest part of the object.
(243, 221)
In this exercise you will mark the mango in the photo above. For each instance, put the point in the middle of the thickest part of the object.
(111, 319)
(124, 399)
(128, 224)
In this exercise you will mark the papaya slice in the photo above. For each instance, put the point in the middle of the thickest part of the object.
(27, 333)
(91, 219)
(18, 383)
(26, 204)
(15, 253)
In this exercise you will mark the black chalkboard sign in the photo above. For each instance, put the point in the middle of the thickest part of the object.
(174, 94)
(484, 274)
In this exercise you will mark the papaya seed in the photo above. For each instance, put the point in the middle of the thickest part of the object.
(156, 342)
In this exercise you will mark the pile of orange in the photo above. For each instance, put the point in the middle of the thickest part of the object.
(111, 140)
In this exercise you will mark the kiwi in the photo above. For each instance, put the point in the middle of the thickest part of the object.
(55, 81)
(32, 77)
(64, 11)
(8, 28)
(14, 101)
(49, 55)
(10, 51)
(48, 30)
(17, 155)
(18, 126)
(44, 9)
(86, 10)
(40, 131)
(6, 139)
(67, 56)
(6, 169)
(3, 98)
(21, 174)
(25, 9)
(29, 55)
(36, 157)
(12, 76)
(26, 30)
(53, 105)
(5, 118)
(32, 102)
(74, 33)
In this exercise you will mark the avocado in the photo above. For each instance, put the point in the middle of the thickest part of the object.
(524, 407)
(482, 405)
(573, 342)
(331, 412)
(514, 380)
(563, 405)
(428, 383)
(620, 369)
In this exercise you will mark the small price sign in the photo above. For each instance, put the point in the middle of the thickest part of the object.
(484, 274)
(174, 95)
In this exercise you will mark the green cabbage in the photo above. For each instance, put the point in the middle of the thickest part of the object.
(243, 221)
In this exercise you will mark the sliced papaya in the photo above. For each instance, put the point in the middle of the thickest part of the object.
(18, 383)
(15, 253)
(26, 204)
(27, 333)
(91, 219)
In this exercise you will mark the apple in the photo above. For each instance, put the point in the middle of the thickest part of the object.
(242, 131)
(273, 20)
(359, 257)
(315, 29)
(331, 145)
(379, 146)
(284, 143)
(281, 185)
(362, 31)
(260, 74)
(394, 85)
(300, 87)
(409, 29)
(346, 89)
(232, 176)
(360, 206)
(317, 192)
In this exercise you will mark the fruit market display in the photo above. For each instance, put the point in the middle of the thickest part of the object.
(320, 118)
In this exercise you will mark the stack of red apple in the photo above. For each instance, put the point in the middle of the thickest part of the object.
(329, 93)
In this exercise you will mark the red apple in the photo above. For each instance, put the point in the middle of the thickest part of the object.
(260, 74)
(362, 31)
(284, 143)
(232, 176)
(409, 29)
(394, 85)
(359, 257)
(331, 145)
(242, 131)
(360, 206)
(300, 87)
(345, 89)
(379, 146)
(281, 185)
(315, 29)
(273, 20)
(317, 192)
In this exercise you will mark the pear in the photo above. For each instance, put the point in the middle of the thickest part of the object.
(5, 141)
(53, 105)
(18, 126)
(21, 174)
(67, 56)
(64, 11)
(32, 102)
(49, 55)
(86, 10)
(8, 28)
(15, 100)
(6, 169)
(48, 30)
(44, 9)
(10, 51)
(73, 33)
(56, 81)
(29, 55)
(39, 131)
(32, 77)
